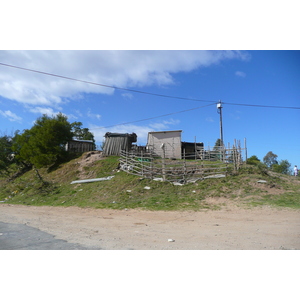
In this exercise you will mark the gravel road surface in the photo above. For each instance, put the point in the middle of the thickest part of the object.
(232, 228)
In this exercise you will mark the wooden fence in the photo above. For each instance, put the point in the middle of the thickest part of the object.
(202, 164)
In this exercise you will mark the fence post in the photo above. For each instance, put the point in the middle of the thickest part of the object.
(195, 149)
(226, 172)
(202, 166)
(184, 167)
(151, 165)
(164, 164)
(234, 155)
(142, 161)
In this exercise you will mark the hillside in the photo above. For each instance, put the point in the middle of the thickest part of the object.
(128, 191)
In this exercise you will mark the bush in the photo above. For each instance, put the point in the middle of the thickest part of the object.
(283, 167)
(253, 160)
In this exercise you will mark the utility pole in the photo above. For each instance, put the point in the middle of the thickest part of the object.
(219, 107)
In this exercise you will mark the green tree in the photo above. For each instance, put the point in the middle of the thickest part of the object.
(218, 144)
(253, 160)
(44, 143)
(217, 152)
(283, 167)
(6, 156)
(270, 159)
(82, 133)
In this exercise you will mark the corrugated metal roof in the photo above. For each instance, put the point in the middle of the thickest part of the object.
(82, 141)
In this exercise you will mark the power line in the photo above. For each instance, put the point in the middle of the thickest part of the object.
(105, 85)
(147, 119)
(260, 105)
(142, 92)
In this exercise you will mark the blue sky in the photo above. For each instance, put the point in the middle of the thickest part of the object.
(270, 78)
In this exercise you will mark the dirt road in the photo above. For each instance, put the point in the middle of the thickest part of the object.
(230, 228)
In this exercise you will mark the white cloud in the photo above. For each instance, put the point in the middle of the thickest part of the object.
(10, 116)
(115, 68)
(71, 117)
(93, 116)
(43, 111)
(141, 131)
(127, 95)
(78, 112)
(240, 74)
(49, 112)
(159, 126)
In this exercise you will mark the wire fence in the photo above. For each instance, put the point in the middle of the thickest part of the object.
(192, 167)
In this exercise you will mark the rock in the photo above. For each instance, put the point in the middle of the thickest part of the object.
(261, 181)
(158, 179)
(177, 183)
(215, 176)
(194, 180)
(147, 188)
(171, 240)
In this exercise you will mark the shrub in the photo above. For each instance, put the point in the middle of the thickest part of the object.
(253, 160)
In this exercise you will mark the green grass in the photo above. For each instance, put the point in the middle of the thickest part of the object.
(127, 191)
(287, 200)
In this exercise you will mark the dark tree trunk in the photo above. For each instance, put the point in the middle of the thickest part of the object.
(38, 174)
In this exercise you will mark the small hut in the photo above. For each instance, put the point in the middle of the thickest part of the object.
(115, 142)
(165, 143)
(192, 150)
(80, 146)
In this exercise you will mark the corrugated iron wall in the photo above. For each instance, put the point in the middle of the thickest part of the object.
(115, 142)
(80, 146)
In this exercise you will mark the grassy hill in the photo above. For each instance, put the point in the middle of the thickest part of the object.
(128, 191)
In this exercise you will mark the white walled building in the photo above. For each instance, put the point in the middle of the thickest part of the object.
(168, 141)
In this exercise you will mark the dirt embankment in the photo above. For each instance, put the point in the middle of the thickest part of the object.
(87, 160)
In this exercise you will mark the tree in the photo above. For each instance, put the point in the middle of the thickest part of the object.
(5, 154)
(218, 144)
(82, 133)
(217, 150)
(44, 143)
(270, 159)
(282, 167)
(253, 160)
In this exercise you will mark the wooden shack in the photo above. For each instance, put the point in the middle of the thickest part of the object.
(80, 146)
(192, 150)
(115, 142)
